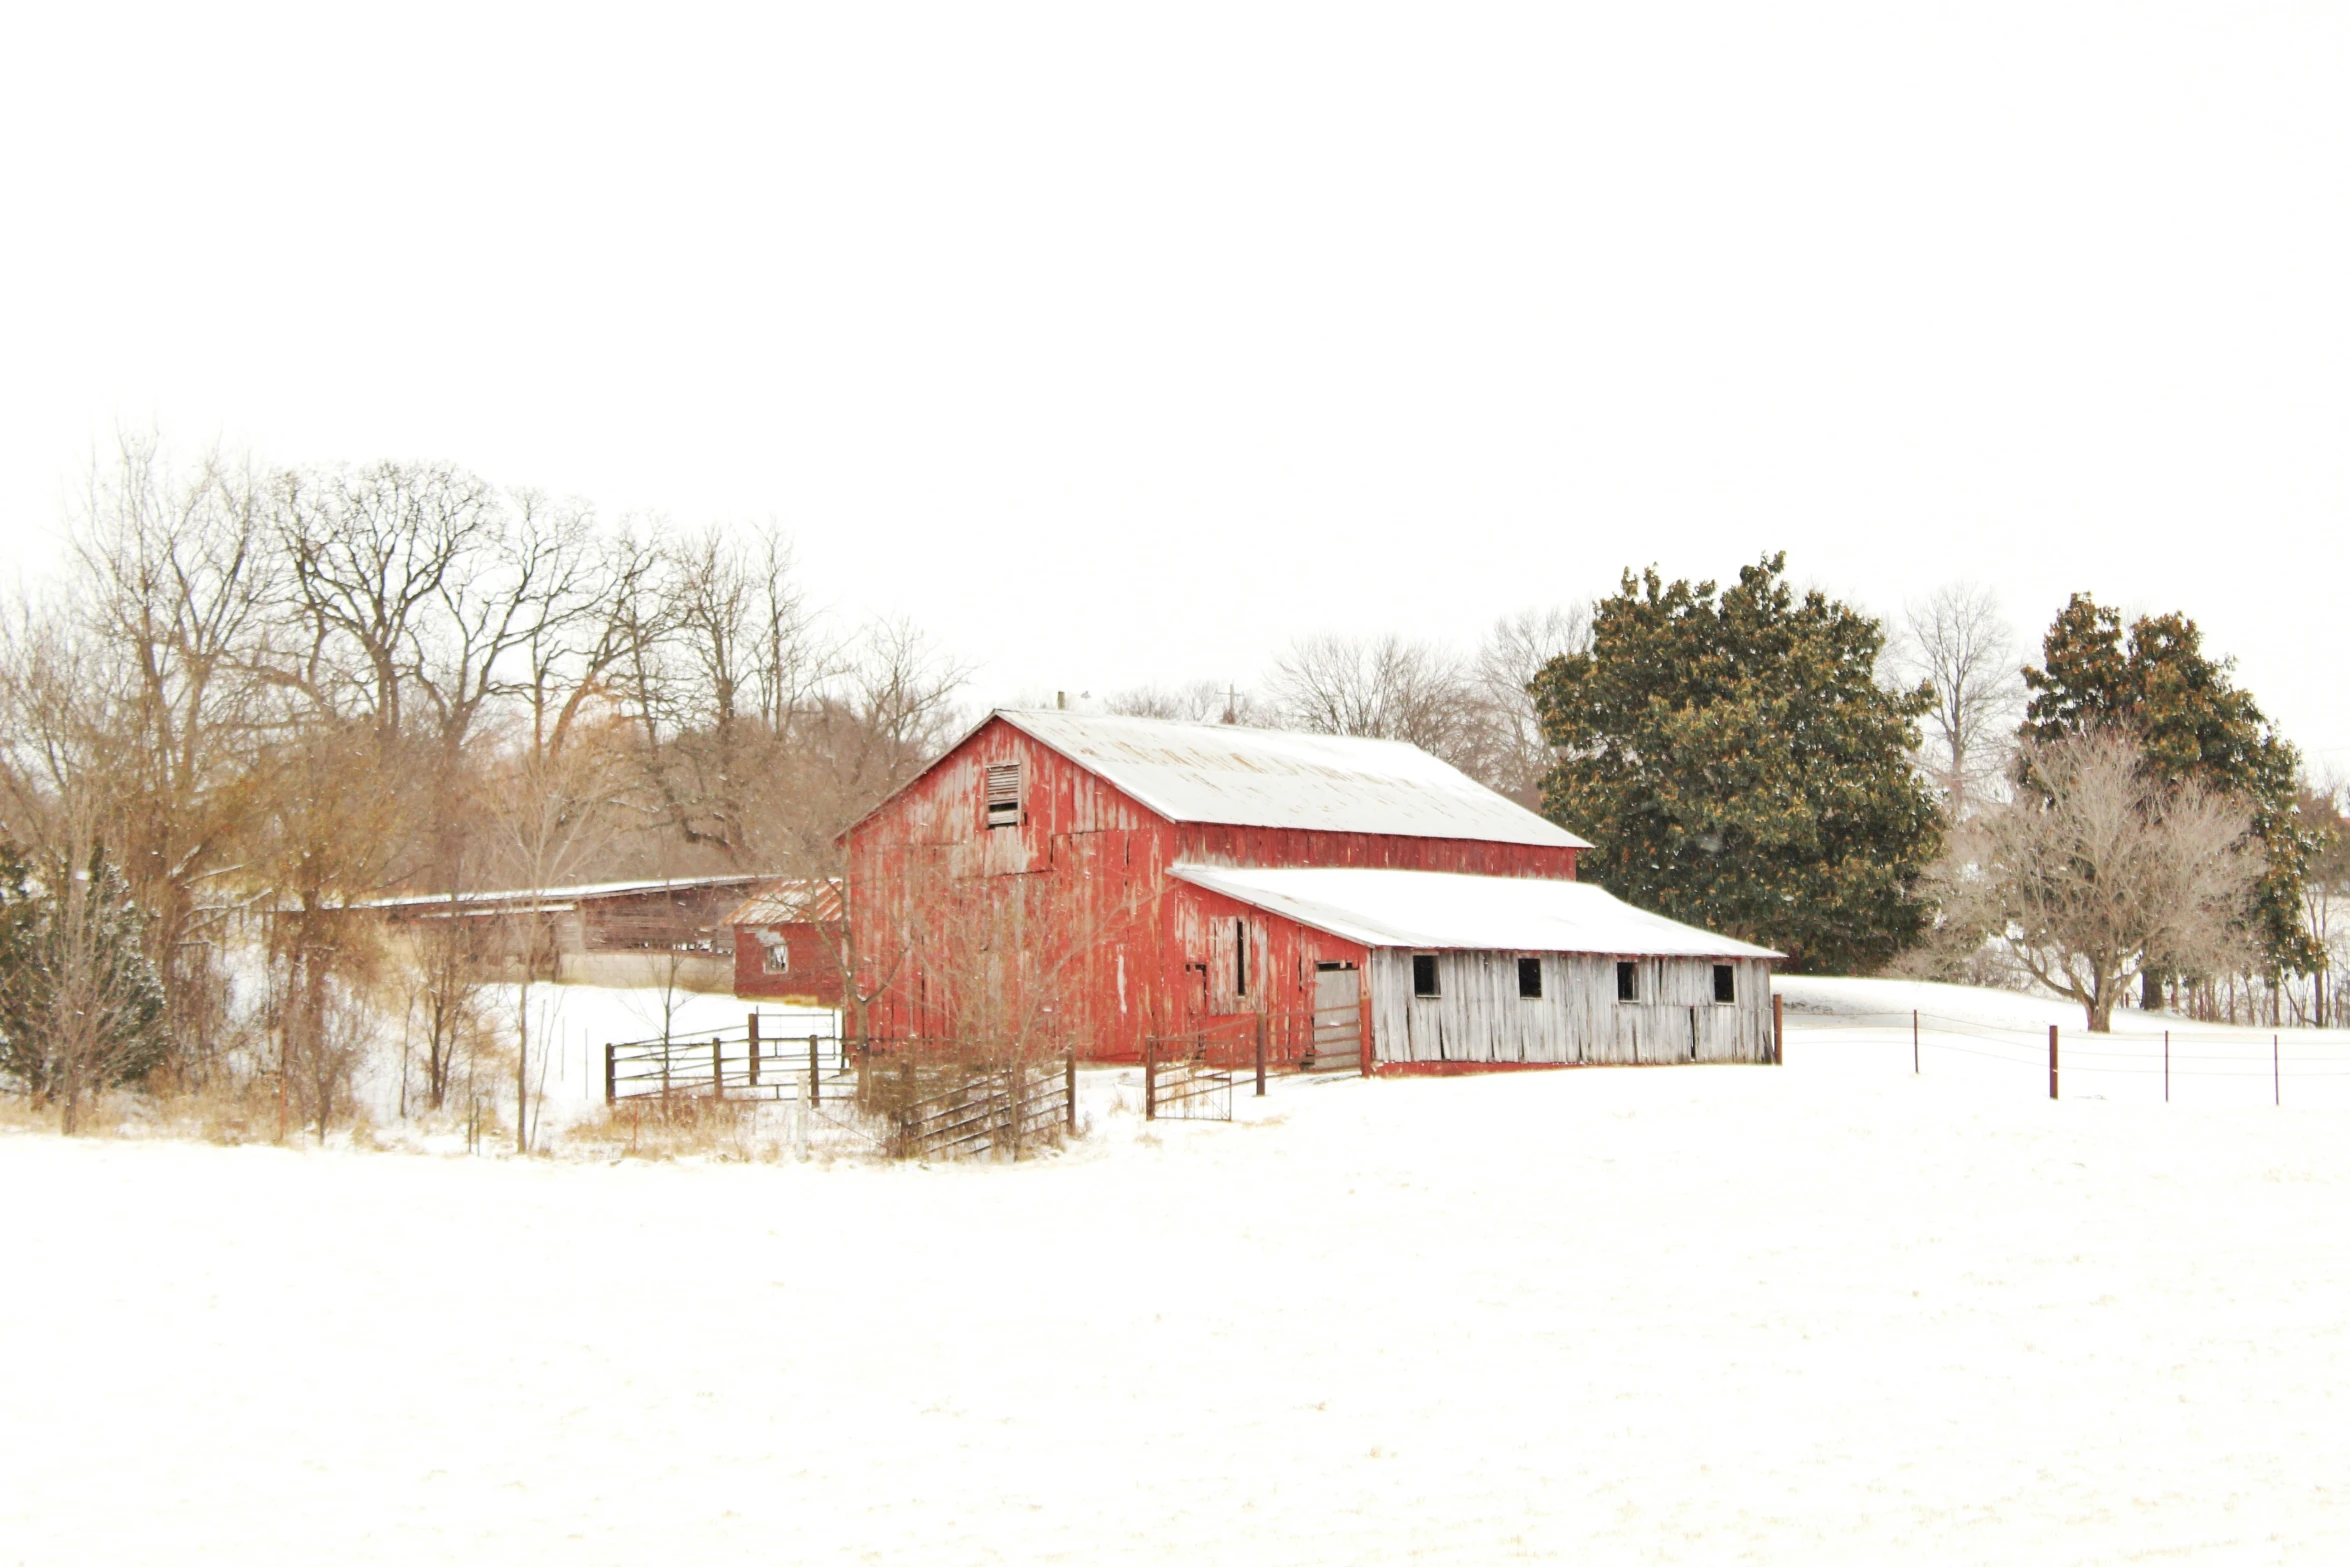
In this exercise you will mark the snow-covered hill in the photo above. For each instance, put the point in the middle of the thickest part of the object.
(1825, 1313)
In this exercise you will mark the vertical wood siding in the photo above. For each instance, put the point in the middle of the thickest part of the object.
(1480, 1017)
(1100, 859)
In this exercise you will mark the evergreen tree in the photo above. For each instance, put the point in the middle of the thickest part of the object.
(1739, 766)
(81, 1008)
(2192, 723)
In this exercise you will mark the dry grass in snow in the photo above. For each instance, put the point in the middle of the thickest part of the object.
(1827, 1313)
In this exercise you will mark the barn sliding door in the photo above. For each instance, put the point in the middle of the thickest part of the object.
(1338, 1017)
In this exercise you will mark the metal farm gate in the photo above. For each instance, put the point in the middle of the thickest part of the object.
(737, 1063)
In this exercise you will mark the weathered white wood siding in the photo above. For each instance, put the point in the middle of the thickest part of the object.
(1480, 1017)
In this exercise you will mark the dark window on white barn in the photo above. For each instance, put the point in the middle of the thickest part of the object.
(1725, 983)
(1003, 794)
(1627, 982)
(1530, 978)
(1424, 974)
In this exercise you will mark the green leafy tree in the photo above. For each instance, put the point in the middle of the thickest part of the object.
(1739, 766)
(2192, 724)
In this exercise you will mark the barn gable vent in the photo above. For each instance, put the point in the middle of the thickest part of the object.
(1003, 794)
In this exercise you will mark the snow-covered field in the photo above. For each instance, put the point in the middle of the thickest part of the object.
(1825, 1313)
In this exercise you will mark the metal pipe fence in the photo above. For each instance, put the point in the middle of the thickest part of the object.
(1191, 1074)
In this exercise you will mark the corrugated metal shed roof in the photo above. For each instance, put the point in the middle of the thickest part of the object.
(790, 903)
(585, 891)
(1242, 777)
(1384, 908)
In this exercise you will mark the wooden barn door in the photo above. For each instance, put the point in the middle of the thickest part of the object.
(1338, 1017)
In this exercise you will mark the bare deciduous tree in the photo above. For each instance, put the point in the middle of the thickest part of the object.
(1200, 702)
(2096, 869)
(1958, 644)
(550, 810)
(1514, 652)
(1382, 688)
(176, 579)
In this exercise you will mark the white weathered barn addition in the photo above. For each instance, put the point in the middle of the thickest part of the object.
(1518, 971)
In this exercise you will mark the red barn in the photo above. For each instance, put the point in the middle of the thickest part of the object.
(1110, 879)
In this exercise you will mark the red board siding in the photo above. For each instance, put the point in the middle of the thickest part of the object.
(1210, 844)
(1133, 951)
(813, 975)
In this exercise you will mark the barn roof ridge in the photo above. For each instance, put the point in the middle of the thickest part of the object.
(1241, 776)
(1451, 910)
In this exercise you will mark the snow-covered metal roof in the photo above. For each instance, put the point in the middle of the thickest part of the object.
(1241, 777)
(1387, 908)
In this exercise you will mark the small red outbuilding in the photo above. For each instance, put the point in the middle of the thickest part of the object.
(786, 942)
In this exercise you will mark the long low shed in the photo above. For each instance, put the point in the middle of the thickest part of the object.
(1483, 971)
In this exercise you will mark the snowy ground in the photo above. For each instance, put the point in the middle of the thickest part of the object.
(1825, 1313)
(1998, 1040)
(571, 1024)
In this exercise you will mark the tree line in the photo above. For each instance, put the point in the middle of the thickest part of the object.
(262, 694)
(2118, 819)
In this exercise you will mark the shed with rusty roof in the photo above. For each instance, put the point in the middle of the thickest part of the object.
(787, 942)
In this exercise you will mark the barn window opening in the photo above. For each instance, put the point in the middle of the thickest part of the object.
(1424, 974)
(774, 955)
(1530, 978)
(1627, 982)
(1003, 794)
(1240, 957)
(1725, 984)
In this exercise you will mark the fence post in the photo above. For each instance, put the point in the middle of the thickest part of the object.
(2052, 1060)
(1778, 1029)
(1913, 1042)
(1150, 1081)
(751, 1032)
(1069, 1090)
(1260, 1055)
(611, 1076)
(815, 1084)
(717, 1070)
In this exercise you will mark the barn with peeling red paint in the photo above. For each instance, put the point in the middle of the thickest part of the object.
(1103, 881)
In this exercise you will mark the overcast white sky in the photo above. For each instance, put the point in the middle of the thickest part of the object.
(1117, 345)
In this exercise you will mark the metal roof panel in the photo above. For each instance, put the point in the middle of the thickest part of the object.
(1236, 776)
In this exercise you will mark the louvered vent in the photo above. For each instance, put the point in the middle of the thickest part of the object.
(1003, 794)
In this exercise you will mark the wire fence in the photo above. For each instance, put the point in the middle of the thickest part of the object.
(2196, 1064)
